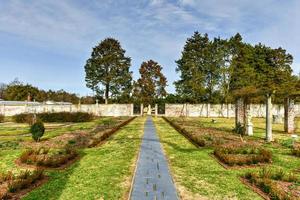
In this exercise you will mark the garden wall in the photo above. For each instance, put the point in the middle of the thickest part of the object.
(99, 110)
(221, 110)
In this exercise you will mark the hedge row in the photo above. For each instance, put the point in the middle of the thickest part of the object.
(13, 183)
(54, 117)
(240, 154)
(48, 157)
(269, 182)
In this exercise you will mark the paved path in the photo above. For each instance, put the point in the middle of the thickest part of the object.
(152, 179)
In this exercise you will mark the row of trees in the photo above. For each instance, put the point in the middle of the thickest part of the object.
(18, 91)
(108, 74)
(221, 70)
(211, 70)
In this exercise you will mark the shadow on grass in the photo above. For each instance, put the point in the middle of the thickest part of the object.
(58, 180)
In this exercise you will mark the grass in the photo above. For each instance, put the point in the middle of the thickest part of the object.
(7, 158)
(20, 132)
(199, 176)
(102, 173)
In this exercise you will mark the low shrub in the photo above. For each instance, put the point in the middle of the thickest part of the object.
(18, 182)
(1, 118)
(239, 129)
(241, 154)
(48, 157)
(268, 181)
(37, 130)
(23, 118)
(66, 117)
(296, 150)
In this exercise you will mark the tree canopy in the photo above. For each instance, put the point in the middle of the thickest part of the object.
(220, 70)
(107, 70)
(152, 83)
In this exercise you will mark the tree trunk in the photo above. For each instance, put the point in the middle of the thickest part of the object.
(106, 93)
(289, 115)
(269, 137)
(239, 112)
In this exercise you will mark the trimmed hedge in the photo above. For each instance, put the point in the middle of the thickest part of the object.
(54, 117)
(1, 118)
(14, 183)
(48, 157)
(268, 182)
(241, 154)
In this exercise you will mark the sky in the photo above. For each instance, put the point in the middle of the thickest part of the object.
(46, 42)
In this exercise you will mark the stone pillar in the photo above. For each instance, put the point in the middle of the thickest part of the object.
(239, 112)
(142, 109)
(156, 109)
(269, 137)
(249, 124)
(208, 110)
(289, 115)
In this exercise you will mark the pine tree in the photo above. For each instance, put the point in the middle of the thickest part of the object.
(107, 70)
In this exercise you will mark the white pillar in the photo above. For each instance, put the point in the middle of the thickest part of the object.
(269, 137)
(156, 109)
(249, 124)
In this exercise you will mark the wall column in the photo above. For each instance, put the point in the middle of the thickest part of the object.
(156, 109)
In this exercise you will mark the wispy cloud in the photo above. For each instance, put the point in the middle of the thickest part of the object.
(154, 29)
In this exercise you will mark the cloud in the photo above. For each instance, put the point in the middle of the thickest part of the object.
(147, 29)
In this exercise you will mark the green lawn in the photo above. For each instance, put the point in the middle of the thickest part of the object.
(11, 146)
(199, 176)
(11, 131)
(102, 173)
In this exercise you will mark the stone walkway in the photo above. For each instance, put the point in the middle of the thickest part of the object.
(152, 179)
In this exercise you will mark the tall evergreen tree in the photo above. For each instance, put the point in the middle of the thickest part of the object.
(107, 70)
(191, 68)
(152, 83)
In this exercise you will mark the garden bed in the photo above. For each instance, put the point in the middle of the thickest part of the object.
(273, 185)
(16, 186)
(204, 136)
(48, 158)
(242, 155)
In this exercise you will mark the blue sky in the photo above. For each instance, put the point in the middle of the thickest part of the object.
(46, 42)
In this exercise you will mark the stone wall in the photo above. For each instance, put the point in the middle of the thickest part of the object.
(221, 110)
(99, 110)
